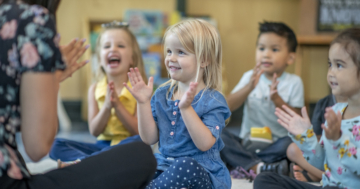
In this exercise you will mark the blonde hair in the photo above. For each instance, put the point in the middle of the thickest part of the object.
(202, 39)
(136, 53)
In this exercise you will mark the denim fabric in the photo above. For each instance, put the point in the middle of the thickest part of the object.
(175, 140)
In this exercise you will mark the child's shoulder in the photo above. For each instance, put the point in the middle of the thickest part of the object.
(213, 96)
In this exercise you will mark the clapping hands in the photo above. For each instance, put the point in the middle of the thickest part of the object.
(141, 92)
(293, 122)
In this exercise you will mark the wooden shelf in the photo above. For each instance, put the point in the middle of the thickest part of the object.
(315, 39)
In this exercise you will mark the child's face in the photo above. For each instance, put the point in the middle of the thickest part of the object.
(342, 74)
(180, 63)
(273, 54)
(115, 52)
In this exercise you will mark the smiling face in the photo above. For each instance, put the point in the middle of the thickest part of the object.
(115, 52)
(273, 54)
(180, 63)
(343, 74)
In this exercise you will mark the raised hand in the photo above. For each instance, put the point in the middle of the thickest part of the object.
(333, 129)
(141, 92)
(114, 99)
(71, 54)
(254, 79)
(293, 122)
(188, 97)
(273, 86)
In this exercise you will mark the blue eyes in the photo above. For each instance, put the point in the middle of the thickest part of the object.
(337, 65)
(108, 46)
(180, 52)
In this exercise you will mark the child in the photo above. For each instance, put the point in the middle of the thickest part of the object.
(262, 89)
(186, 114)
(337, 149)
(112, 109)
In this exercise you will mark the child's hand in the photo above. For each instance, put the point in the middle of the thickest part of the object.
(293, 122)
(141, 92)
(273, 87)
(107, 102)
(254, 80)
(188, 97)
(114, 99)
(333, 129)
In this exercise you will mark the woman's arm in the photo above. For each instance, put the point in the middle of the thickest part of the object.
(39, 123)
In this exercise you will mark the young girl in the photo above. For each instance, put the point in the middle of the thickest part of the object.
(337, 149)
(187, 114)
(112, 109)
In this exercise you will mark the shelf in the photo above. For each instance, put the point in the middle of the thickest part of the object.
(315, 39)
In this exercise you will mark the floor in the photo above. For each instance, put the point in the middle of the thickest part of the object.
(81, 133)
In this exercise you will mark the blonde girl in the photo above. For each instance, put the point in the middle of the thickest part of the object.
(187, 114)
(112, 109)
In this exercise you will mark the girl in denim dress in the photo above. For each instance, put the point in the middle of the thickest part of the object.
(186, 114)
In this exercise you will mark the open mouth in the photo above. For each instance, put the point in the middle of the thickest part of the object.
(114, 61)
(333, 84)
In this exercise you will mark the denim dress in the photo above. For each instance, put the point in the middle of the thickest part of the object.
(175, 140)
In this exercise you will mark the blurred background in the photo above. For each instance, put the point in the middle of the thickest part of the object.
(315, 22)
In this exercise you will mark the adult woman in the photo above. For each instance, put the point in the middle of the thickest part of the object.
(31, 68)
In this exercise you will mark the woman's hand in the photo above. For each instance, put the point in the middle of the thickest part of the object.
(141, 92)
(293, 122)
(71, 54)
(189, 96)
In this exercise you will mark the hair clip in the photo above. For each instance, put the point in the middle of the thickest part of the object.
(115, 24)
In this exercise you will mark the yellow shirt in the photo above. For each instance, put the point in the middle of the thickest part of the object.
(115, 130)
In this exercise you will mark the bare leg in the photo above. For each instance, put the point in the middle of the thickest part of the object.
(295, 155)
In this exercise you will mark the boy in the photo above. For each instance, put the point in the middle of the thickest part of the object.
(262, 89)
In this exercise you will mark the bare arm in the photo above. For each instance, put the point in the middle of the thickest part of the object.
(97, 118)
(200, 134)
(148, 130)
(39, 121)
(129, 121)
(235, 100)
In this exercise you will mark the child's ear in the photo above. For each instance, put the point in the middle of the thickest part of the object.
(291, 58)
(204, 64)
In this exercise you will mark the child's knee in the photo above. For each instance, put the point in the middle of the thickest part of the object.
(188, 163)
(293, 151)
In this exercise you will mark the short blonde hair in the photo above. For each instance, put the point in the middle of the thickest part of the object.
(202, 39)
(136, 53)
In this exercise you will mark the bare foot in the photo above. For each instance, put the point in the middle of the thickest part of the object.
(65, 164)
(298, 174)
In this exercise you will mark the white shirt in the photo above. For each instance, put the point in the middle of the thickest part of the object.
(259, 110)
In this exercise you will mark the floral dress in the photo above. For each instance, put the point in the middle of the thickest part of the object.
(339, 159)
(28, 42)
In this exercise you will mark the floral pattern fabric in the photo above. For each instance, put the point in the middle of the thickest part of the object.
(338, 159)
(28, 42)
